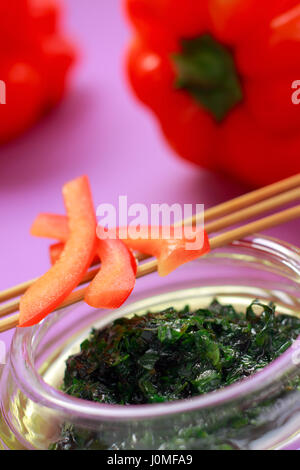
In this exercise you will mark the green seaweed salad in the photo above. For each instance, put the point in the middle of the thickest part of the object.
(172, 355)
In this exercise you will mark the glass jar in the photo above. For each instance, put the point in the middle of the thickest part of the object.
(261, 412)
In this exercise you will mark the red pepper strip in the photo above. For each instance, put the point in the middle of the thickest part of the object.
(116, 278)
(56, 250)
(51, 226)
(170, 252)
(53, 287)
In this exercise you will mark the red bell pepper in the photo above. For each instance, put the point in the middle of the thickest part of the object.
(23, 93)
(35, 61)
(53, 287)
(218, 75)
(57, 57)
(45, 14)
(116, 278)
(14, 21)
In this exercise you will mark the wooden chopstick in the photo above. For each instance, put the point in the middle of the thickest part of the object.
(236, 207)
(254, 227)
(150, 267)
(19, 289)
(9, 323)
(249, 199)
(252, 211)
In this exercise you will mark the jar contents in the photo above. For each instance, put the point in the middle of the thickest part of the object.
(175, 355)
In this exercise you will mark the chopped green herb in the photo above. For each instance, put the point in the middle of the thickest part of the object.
(174, 355)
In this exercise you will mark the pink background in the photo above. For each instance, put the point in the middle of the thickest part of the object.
(99, 130)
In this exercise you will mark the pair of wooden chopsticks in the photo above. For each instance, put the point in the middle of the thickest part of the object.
(217, 218)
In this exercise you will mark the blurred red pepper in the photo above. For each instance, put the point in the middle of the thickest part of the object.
(218, 75)
(34, 62)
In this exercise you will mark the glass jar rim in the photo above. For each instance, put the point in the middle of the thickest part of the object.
(32, 384)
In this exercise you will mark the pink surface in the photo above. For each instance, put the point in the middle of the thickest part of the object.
(99, 130)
